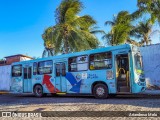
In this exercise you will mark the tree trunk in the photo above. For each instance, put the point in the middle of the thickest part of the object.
(44, 53)
(146, 41)
(52, 51)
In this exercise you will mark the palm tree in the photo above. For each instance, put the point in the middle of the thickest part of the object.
(72, 32)
(133, 42)
(144, 32)
(121, 27)
(150, 6)
(48, 42)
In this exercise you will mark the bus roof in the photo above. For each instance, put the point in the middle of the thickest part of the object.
(110, 48)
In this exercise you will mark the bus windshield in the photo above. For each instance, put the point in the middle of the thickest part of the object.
(138, 62)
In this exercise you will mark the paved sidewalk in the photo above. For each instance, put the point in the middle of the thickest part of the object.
(152, 92)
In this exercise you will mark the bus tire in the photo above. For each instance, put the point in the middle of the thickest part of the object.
(38, 91)
(100, 91)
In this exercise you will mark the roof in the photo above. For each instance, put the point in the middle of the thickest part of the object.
(18, 55)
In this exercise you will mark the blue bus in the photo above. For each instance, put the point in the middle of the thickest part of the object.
(102, 72)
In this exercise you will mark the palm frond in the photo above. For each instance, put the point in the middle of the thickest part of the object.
(109, 23)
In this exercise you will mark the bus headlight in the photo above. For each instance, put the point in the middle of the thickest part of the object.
(142, 79)
(139, 82)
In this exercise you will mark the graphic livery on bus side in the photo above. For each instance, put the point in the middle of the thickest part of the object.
(101, 72)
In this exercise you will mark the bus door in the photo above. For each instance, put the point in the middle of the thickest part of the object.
(122, 73)
(60, 80)
(27, 78)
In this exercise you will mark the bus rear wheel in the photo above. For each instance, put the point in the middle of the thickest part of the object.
(100, 91)
(38, 91)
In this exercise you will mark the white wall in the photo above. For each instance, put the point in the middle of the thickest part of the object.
(5, 72)
(151, 62)
(24, 58)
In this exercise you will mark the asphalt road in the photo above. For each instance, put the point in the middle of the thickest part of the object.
(81, 103)
(148, 101)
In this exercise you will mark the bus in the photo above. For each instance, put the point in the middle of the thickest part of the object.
(101, 72)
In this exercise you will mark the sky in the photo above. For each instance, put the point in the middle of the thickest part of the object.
(22, 22)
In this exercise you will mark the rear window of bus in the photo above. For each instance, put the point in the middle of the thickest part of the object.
(16, 70)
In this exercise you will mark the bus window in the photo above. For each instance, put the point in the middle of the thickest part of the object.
(57, 69)
(100, 61)
(72, 64)
(34, 68)
(79, 63)
(45, 67)
(29, 73)
(63, 69)
(138, 62)
(25, 73)
(82, 63)
(16, 70)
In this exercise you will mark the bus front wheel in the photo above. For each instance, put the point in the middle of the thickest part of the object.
(100, 91)
(38, 91)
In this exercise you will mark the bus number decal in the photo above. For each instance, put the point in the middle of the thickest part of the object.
(38, 78)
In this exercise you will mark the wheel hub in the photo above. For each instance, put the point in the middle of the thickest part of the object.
(100, 91)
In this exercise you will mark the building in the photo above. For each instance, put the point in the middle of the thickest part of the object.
(14, 58)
